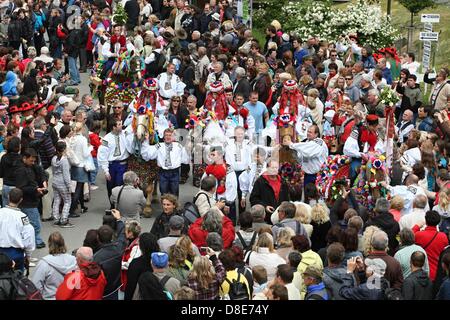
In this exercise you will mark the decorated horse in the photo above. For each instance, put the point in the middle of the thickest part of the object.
(367, 186)
(141, 123)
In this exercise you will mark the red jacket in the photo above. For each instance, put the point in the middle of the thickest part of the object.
(433, 247)
(125, 257)
(88, 283)
(94, 139)
(198, 235)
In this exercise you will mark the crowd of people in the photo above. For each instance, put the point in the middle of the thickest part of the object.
(253, 123)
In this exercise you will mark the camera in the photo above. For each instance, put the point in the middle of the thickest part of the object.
(45, 191)
(108, 212)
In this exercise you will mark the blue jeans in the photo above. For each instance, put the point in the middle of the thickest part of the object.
(116, 171)
(93, 174)
(5, 194)
(169, 181)
(355, 165)
(35, 220)
(18, 255)
(73, 70)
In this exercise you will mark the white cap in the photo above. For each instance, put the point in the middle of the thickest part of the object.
(285, 37)
(44, 50)
(64, 99)
(216, 16)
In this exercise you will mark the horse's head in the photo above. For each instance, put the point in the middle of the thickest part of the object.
(142, 125)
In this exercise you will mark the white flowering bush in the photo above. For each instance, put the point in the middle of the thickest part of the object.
(319, 18)
(388, 96)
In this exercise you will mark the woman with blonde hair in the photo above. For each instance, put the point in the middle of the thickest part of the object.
(284, 242)
(81, 147)
(52, 268)
(316, 107)
(367, 239)
(204, 279)
(397, 204)
(303, 215)
(191, 249)
(264, 254)
(443, 206)
(177, 264)
(320, 222)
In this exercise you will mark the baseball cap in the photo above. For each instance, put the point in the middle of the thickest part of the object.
(176, 222)
(160, 259)
(64, 99)
(215, 16)
(378, 266)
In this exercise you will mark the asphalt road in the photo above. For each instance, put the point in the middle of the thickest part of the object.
(99, 202)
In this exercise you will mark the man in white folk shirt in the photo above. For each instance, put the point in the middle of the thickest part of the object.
(312, 153)
(112, 156)
(238, 156)
(170, 84)
(409, 191)
(17, 239)
(405, 126)
(248, 177)
(169, 156)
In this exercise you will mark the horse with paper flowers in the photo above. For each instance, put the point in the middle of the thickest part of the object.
(142, 124)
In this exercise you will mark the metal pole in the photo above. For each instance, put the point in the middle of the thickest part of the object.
(389, 5)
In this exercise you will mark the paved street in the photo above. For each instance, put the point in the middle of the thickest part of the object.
(93, 218)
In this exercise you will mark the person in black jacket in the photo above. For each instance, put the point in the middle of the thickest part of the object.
(14, 32)
(417, 286)
(9, 164)
(147, 244)
(269, 190)
(55, 43)
(242, 85)
(29, 178)
(386, 222)
(72, 46)
(132, 9)
(109, 256)
(169, 205)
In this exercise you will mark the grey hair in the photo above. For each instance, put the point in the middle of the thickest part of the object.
(219, 63)
(420, 201)
(258, 212)
(129, 177)
(380, 240)
(382, 205)
(212, 221)
(407, 237)
(374, 92)
(39, 122)
(83, 98)
(85, 254)
(214, 241)
(240, 72)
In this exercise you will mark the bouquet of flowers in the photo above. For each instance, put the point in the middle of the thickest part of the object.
(292, 175)
(389, 97)
(336, 167)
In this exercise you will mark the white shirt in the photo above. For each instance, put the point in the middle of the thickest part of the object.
(16, 230)
(170, 85)
(293, 292)
(81, 147)
(351, 146)
(269, 260)
(403, 132)
(231, 185)
(412, 67)
(247, 178)
(410, 158)
(408, 193)
(106, 150)
(410, 220)
(238, 158)
(106, 49)
(312, 153)
(178, 155)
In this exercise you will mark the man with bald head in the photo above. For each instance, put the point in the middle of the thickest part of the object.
(405, 126)
(86, 283)
(409, 191)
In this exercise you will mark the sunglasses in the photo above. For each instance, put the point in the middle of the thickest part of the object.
(334, 55)
(348, 78)
(176, 100)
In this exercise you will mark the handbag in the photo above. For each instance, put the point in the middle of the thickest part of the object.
(89, 164)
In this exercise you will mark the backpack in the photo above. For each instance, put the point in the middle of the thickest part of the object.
(156, 67)
(297, 226)
(444, 225)
(246, 248)
(238, 290)
(22, 288)
(190, 211)
(392, 294)
(163, 282)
